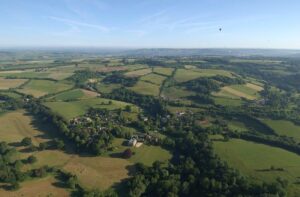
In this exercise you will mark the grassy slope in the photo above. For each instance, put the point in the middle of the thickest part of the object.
(250, 158)
(146, 88)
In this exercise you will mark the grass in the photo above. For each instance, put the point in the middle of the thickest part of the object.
(73, 109)
(38, 187)
(17, 125)
(163, 71)
(284, 127)
(146, 88)
(107, 88)
(176, 92)
(153, 78)
(74, 94)
(26, 75)
(10, 83)
(145, 154)
(138, 73)
(11, 94)
(38, 88)
(252, 159)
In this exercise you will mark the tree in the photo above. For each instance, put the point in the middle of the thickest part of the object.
(31, 159)
(72, 182)
(26, 141)
(128, 108)
(127, 153)
(43, 146)
(59, 144)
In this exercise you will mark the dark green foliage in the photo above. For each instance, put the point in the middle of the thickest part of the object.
(120, 79)
(26, 141)
(31, 159)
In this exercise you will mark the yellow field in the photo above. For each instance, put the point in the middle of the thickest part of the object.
(37, 188)
(254, 86)
(237, 93)
(10, 83)
(17, 125)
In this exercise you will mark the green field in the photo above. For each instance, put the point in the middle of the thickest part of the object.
(38, 88)
(219, 100)
(284, 127)
(73, 109)
(153, 78)
(145, 88)
(139, 73)
(254, 159)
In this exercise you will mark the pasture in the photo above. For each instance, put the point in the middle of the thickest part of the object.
(254, 160)
(38, 88)
(183, 75)
(74, 94)
(73, 109)
(284, 127)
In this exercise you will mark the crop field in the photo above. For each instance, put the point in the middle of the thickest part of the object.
(175, 92)
(139, 73)
(284, 127)
(153, 78)
(146, 88)
(254, 160)
(163, 71)
(220, 100)
(107, 88)
(73, 109)
(38, 88)
(26, 75)
(10, 83)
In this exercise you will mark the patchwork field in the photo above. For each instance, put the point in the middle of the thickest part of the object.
(38, 88)
(254, 160)
(74, 94)
(10, 83)
(146, 88)
(73, 109)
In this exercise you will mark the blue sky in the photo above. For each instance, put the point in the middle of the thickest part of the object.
(151, 23)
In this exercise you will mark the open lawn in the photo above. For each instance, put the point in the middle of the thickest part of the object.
(163, 71)
(39, 88)
(10, 83)
(254, 160)
(37, 188)
(153, 78)
(73, 109)
(138, 73)
(284, 127)
(146, 88)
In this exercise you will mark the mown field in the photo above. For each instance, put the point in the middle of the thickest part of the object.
(10, 83)
(146, 88)
(255, 160)
(73, 109)
(183, 75)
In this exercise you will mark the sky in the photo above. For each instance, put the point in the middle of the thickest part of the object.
(150, 23)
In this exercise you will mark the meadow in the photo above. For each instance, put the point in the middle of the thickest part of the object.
(145, 88)
(6, 84)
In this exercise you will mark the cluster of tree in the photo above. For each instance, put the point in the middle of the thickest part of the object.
(9, 103)
(80, 77)
(119, 78)
(10, 168)
(149, 104)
